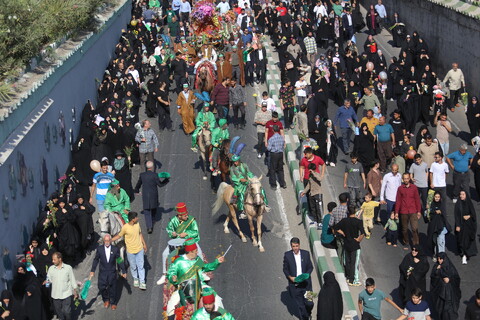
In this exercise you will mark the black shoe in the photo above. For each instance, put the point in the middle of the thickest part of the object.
(284, 187)
(171, 130)
(273, 187)
(150, 231)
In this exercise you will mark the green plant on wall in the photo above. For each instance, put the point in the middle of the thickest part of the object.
(28, 26)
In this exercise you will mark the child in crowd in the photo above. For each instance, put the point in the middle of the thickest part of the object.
(328, 238)
(392, 230)
(368, 212)
(301, 90)
(416, 309)
(370, 300)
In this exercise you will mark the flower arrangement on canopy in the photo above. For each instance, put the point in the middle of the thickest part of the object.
(208, 25)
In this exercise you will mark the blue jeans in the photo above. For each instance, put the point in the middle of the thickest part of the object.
(136, 265)
(390, 207)
(100, 206)
(346, 135)
(441, 240)
(445, 147)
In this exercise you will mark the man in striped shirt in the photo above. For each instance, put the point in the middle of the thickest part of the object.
(276, 144)
(101, 183)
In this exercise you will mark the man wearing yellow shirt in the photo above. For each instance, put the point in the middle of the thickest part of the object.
(370, 120)
(136, 249)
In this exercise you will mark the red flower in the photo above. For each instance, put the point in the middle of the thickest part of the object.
(179, 313)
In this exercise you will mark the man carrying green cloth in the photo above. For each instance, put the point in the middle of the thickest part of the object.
(181, 226)
(210, 310)
(205, 119)
(117, 200)
(219, 134)
(186, 267)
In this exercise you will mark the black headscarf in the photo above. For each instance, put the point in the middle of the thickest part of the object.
(419, 136)
(437, 221)
(43, 262)
(466, 238)
(418, 273)
(330, 302)
(446, 296)
(33, 303)
(21, 281)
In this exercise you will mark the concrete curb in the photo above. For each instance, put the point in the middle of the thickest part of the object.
(273, 82)
(324, 259)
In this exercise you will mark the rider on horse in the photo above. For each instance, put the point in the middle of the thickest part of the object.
(239, 174)
(117, 200)
(181, 226)
(205, 119)
(210, 310)
(219, 134)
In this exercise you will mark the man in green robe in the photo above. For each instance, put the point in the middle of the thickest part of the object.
(117, 200)
(219, 134)
(239, 174)
(205, 119)
(186, 267)
(181, 226)
(210, 309)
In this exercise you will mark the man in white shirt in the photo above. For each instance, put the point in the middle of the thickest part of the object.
(107, 256)
(269, 101)
(136, 76)
(295, 263)
(438, 178)
(382, 13)
(320, 10)
(390, 183)
(240, 17)
(185, 9)
(300, 88)
(223, 6)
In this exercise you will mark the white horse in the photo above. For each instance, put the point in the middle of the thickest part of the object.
(254, 205)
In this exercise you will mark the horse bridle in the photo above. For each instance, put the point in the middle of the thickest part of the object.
(203, 137)
(255, 194)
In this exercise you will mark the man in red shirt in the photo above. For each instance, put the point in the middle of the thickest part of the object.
(407, 205)
(220, 98)
(269, 133)
(269, 127)
(306, 160)
(281, 9)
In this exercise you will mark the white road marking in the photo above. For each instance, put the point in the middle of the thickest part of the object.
(280, 203)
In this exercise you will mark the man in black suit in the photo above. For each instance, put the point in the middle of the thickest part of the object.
(150, 182)
(295, 263)
(260, 62)
(107, 256)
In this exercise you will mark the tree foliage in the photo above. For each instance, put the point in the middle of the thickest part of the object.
(27, 26)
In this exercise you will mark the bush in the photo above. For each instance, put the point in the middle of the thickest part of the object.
(27, 26)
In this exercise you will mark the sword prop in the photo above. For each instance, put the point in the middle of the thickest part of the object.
(227, 251)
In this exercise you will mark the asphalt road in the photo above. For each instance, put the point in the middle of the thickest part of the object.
(381, 261)
(251, 283)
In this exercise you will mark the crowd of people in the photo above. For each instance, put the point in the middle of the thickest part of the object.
(319, 60)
